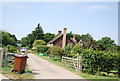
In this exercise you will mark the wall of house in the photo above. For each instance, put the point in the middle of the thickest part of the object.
(59, 42)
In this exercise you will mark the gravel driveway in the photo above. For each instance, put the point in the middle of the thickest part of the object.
(42, 69)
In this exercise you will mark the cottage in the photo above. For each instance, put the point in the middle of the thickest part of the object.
(62, 39)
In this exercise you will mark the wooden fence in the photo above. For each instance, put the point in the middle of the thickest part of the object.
(74, 63)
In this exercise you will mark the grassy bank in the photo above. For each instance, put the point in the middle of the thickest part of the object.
(84, 75)
(6, 71)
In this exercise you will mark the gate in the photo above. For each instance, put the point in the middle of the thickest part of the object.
(73, 63)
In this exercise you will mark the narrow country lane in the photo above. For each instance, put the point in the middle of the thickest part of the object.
(42, 69)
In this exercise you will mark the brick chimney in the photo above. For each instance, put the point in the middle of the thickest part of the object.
(59, 32)
(64, 37)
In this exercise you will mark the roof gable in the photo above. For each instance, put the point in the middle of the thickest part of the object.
(57, 37)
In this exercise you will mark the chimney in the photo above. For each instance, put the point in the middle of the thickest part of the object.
(74, 39)
(59, 32)
(64, 37)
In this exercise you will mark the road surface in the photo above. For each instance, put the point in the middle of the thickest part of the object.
(3, 77)
(42, 69)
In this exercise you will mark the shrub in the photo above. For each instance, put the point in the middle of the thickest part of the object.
(55, 52)
(67, 50)
(38, 42)
(11, 49)
(98, 61)
(42, 48)
(77, 49)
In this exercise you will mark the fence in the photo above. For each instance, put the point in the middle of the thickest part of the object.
(7, 59)
(74, 63)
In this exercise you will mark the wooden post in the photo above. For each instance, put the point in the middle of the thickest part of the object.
(1, 57)
(80, 63)
(5, 58)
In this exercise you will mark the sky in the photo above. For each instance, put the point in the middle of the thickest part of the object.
(100, 19)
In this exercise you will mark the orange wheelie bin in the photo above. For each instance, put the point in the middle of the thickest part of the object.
(20, 63)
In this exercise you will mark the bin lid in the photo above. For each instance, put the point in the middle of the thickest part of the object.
(16, 55)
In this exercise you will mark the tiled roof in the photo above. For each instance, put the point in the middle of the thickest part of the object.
(57, 37)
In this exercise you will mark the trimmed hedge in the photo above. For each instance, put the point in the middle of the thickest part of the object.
(42, 48)
(98, 61)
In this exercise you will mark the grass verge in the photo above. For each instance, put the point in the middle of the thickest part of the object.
(84, 75)
(6, 71)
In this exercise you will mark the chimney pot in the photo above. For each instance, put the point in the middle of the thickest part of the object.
(59, 32)
(64, 30)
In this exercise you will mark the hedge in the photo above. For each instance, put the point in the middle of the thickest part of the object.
(42, 48)
(98, 61)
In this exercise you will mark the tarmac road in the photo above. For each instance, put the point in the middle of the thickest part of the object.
(42, 69)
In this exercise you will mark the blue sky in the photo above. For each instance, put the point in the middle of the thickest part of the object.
(100, 19)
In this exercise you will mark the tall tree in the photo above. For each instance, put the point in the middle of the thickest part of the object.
(14, 37)
(105, 43)
(48, 37)
(7, 39)
(38, 32)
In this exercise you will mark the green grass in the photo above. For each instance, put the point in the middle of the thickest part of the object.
(6, 71)
(84, 75)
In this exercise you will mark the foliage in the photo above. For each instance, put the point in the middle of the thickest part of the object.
(38, 42)
(78, 37)
(98, 61)
(67, 49)
(70, 34)
(113, 49)
(48, 37)
(85, 37)
(37, 34)
(11, 49)
(42, 48)
(77, 49)
(14, 37)
(105, 43)
(55, 51)
(7, 39)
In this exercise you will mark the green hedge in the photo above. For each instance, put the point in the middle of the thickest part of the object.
(55, 52)
(98, 61)
(42, 48)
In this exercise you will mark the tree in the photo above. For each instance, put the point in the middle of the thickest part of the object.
(38, 33)
(105, 43)
(24, 41)
(14, 37)
(77, 37)
(48, 37)
(7, 39)
(85, 37)
(70, 34)
(87, 40)
(38, 42)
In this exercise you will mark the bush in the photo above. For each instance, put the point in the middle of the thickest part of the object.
(11, 49)
(77, 49)
(42, 48)
(98, 61)
(38, 42)
(55, 52)
(67, 50)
